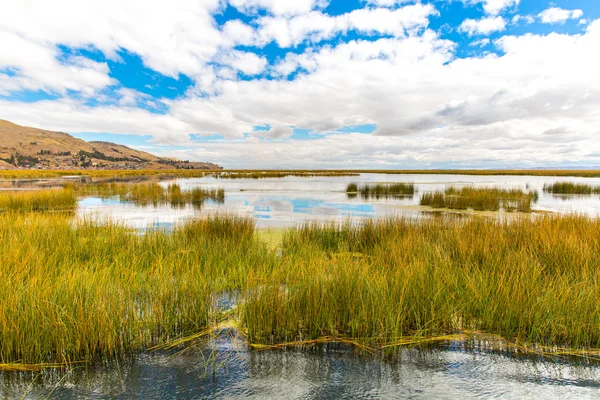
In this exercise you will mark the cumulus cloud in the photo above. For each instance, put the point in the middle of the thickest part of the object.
(538, 100)
(278, 7)
(494, 7)
(317, 26)
(556, 15)
(483, 26)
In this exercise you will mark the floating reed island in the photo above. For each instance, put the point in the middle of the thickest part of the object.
(380, 190)
(571, 188)
(149, 193)
(480, 199)
(82, 291)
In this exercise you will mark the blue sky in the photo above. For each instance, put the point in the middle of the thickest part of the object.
(313, 83)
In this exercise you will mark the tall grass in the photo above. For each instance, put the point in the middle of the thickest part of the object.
(82, 291)
(380, 190)
(530, 281)
(150, 193)
(44, 200)
(571, 188)
(86, 291)
(480, 199)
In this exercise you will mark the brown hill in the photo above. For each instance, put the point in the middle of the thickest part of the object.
(25, 147)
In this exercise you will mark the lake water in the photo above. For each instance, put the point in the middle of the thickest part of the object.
(283, 202)
(326, 371)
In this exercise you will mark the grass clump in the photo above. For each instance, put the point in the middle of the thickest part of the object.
(380, 190)
(150, 193)
(571, 188)
(38, 201)
(530, 281)
(87, 291)
(480, 199)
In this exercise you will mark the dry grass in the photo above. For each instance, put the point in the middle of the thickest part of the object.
(45, 200)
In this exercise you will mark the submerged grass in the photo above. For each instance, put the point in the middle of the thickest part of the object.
(45, 200)
(480, 199)
(571, 188)
(380, 190)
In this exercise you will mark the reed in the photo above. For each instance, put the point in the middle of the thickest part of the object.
(380, 190)
(149, 193)
(530, 281)
(278, 174)
(15, 174)
(571, 188)
(76, 291)
(480, 199)
(44, 200)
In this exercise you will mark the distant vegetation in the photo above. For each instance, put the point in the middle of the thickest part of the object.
(275, 173)
(278, 174)
(380, 190)
(150, 193)
(45, 200)
(480, 199)
(571, 188)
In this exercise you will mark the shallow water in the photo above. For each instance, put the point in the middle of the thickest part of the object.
(319, 372)
(282, 202)
(226, 370)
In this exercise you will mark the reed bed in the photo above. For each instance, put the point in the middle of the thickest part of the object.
(480, 199)
(38, 201)
(85, 291)
(571, 188)
(75, 291)
(15, 174)
(380, 190)
(150, 193)
(534, 282)
(278, 174)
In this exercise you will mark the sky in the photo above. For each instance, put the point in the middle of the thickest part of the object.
(383, 84)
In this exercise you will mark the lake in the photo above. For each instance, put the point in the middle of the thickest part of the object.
(226, 368)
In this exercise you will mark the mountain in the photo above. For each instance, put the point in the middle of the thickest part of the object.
(25, 147)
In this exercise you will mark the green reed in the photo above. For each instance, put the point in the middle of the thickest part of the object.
(45, 200)
(530, 281)
(571, 188)
(150, 193)
(380, 190)
(76, 291)
(480, 199)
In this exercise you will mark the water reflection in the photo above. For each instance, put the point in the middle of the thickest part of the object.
(281, 202)
(227, 370)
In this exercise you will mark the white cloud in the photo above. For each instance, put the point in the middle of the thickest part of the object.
(483, 26)
(248, 63)
(278, 7)
(480, 43)
(316, 26)
(430, 106)
(527, 19)
(558, 15)
(494, 7)
(387, 3)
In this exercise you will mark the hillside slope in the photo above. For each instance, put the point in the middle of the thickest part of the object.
(26, 147)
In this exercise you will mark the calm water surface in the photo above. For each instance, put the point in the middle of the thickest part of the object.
(282, 202)
(320, 372)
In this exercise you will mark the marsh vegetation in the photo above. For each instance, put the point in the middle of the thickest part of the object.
(480, 199)
(571, 188)
(380, 190)
(149, 193)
